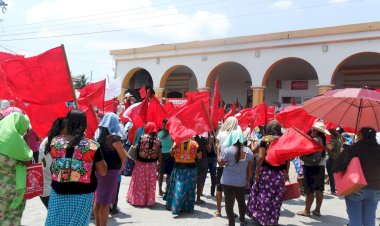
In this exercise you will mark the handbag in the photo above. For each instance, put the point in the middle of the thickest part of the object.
(312, 159)
(133, 151)
(34, 180)
(292, 191)
(351, 180)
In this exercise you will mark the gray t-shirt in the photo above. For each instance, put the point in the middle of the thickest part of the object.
(235, 174)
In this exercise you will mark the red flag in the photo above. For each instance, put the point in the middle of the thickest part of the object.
(215, 106)
(5, 93)
(93, 94)
(259, 115)
(43, 79)
(142, 92)
(188, 122)
(92, 120)
(291, 144)
(169, 108)
(138, 112)
(156, 113)
(221, 114)
(270, 113)
(231, 112)
(294, 101)
(42, 116)
(295, 116)
(245, 117)
(200, 96)
(111, 105)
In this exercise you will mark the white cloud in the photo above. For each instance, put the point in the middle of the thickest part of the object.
(337, 1)
(282, 4)
(136, 17)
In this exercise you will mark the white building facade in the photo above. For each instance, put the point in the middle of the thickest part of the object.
(275, 68)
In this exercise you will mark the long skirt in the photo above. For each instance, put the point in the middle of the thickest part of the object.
(265, 200)
(69, 209)
(142, 188)
(181, 190)
(106, 190)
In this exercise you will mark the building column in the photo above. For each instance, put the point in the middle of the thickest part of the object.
(204, 89)
(159, 92)
(257, 95)
(322, 89)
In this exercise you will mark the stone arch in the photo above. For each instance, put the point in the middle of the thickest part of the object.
(360, 68)
(278, 63)
(143, 79)
(185, 75)
(234, 82)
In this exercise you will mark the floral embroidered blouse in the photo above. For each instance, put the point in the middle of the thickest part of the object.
(149, 148)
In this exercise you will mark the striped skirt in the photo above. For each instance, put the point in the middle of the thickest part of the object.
(69, 209)
(181, 190)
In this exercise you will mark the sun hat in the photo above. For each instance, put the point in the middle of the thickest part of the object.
(233, 137)
(321, 127)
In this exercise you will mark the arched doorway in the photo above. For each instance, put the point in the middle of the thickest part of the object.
(178, 80)
(358, 70)
(288, 81)
(135, 79)
(234, 83)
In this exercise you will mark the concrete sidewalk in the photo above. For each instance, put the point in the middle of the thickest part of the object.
(333, 212)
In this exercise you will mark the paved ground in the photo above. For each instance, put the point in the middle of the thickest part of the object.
(333, 211)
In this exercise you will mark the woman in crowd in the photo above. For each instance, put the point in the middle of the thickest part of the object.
(142, 188)
(228, 126)
(14, 155)
(265, 199)
(167, 160)
(237, 174)
(109, 137)
(362, 205)
(45, 158)
(75, 160)
(333, 151)
(314, 172)
(182, 183)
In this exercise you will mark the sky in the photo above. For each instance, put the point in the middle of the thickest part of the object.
(89, 29)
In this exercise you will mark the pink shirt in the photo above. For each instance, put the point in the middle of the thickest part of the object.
(32, 140)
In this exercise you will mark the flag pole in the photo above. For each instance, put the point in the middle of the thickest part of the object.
(70, 79)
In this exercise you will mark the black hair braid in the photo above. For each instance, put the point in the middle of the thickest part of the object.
(55, 130)
(237, 154)
(78, 134)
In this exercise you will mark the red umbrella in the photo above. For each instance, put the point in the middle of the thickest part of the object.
(351, 107)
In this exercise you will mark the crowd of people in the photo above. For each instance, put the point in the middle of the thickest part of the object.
(82, 176)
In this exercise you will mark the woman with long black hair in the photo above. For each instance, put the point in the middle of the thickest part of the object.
(237, 174)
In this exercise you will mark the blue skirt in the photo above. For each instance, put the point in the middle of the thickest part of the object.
(69, 209)
(181, 190)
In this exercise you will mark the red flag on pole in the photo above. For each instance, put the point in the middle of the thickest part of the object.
(188, 122)
(138, 112)
(92, 120)
(43, 79)
(111, 105)
(156, 113)
(297, 117)
(200, 96)
(291, 144)
(93, 94)
(231, 112)
(169, 108)
(142, 92)
(215, 106)
(5, 93)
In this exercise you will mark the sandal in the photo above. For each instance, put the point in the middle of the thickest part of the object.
(316, 213)
(199, 202)
(304, 213)
(218, 214)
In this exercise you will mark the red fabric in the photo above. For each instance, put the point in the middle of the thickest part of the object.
(169, 108)
(92, 120)
(232, 111)
(43, 79)
(132, 134)
(34, 180)
(291, 144)
(111, 105)
(215, 106)
(5, 93)
(295, 116)
(221, 114)
(200, 96)
(294, 101)
(245, 118)
(270, 113)
(93, 94)
(292, 191)
(138, 114)
(122, 118)
(188, 122)
(150, 127)
(259, 113)
(42, 116)
(142, 92)
(156, 113)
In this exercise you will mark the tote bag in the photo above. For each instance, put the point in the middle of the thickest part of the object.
(351, 180)
(34, 180)
(292, 191)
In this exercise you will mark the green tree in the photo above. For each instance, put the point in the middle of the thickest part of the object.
(80, 81)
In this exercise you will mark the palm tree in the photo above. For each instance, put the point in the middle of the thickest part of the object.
(80, 81)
